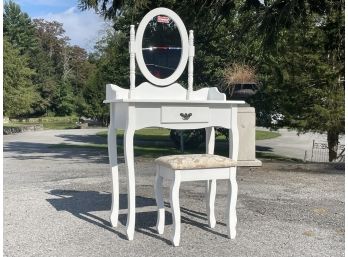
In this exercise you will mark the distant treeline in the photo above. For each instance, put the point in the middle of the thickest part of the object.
(43, 74)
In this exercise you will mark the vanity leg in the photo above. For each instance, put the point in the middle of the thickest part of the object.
(209, 140)
(129, 157)
(210, 184)
(233, 187)
(112, 149)
(234, 135)
(232, 203)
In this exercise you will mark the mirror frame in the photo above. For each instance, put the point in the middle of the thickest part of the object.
(139, 46)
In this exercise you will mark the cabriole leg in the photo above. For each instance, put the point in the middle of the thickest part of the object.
(159, 201)
(210, 185)
(174, 202)
(210, 202)
(112, 149)
(232, 203)
(129, 156)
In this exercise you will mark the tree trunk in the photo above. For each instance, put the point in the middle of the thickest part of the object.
(332, 141)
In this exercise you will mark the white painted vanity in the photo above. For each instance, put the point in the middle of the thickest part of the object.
(161, 102)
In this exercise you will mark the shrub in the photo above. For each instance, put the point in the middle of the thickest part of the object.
(192, 138)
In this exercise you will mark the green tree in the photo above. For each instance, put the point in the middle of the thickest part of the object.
(19, 92)
(79, 68)
(53, 41)
(52, 65)
(94, 94)
(45, 80)
(52, 71)
(64, 100)
(297, 47)
(19, 28)
(303, 60)
(106, 65)
(68, 71)
(22, 34)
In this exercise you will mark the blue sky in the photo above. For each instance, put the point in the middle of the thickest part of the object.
(83, 28)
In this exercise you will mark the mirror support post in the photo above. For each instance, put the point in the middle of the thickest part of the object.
(190, 66)
(132, 61)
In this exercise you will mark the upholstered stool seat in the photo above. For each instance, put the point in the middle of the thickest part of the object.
(195, 167)
(195, 161)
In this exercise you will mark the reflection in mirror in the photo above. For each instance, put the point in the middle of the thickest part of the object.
(161, 46)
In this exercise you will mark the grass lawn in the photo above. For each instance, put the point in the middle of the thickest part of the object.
(67, 122)
(14, 125)
(46, 125)
(261, 135)
(150, 134)
(59, 125)
(155, 135)
(161, 134)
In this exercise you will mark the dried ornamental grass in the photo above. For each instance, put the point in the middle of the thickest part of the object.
(239, 74)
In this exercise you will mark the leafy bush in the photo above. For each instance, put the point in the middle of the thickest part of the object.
(192, 138)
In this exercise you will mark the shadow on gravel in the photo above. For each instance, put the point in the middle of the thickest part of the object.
(264, 148)
(75, 201)
(35, 151)
(81, 203)
(89, 139)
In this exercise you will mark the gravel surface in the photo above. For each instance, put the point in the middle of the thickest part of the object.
(57, 203)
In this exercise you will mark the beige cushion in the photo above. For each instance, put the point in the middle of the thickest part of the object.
(195, 161)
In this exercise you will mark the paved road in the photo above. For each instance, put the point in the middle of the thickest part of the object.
(57, 202)
(290, 144)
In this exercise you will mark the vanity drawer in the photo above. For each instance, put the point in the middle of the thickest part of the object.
(185, 114)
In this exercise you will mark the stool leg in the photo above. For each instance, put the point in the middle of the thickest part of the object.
(160, 203)
(174, 202)
(210, 201)
(112, 148)
(232, 202)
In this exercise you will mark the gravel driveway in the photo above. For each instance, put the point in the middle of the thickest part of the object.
(57, 202)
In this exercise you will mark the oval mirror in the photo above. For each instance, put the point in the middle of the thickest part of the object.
(161, 46)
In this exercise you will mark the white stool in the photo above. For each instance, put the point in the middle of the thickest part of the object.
(194, 167)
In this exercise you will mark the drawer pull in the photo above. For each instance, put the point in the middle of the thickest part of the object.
(185, 116)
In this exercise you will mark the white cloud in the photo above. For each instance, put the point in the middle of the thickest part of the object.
(53, 3)
(83, 28)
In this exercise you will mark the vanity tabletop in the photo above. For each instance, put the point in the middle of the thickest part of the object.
(174, 101)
